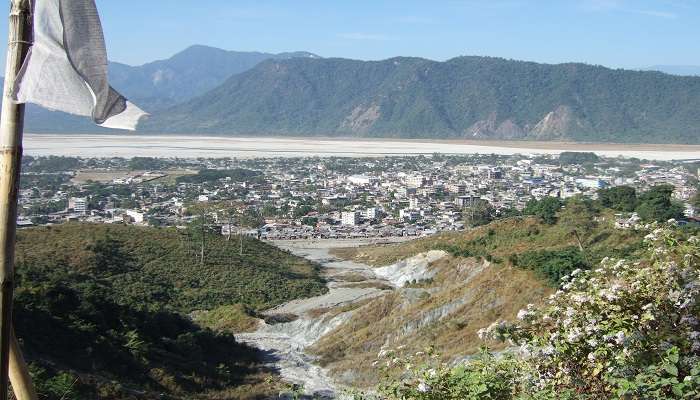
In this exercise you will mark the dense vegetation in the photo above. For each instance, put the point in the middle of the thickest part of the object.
(100, 310)
(577, 158)
(656, 204)
(212, 175)
(473, 97)
(50, 164)
(146, 163)
(552, 265)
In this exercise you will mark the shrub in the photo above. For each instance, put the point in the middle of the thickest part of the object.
(546, 209)
(552, 265)
(628, 329)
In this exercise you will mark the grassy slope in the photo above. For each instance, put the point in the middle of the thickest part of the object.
(513, 236)
(477, 291)
(100, 311)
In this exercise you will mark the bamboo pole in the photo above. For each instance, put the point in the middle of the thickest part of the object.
(22, 384)
(11, 127)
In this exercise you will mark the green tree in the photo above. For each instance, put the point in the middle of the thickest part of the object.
(621, 198)
(479, 213)
(546, 209)
(656, 204)
(695, 201)
(574, 157)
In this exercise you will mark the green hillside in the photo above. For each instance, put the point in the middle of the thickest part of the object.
(466, 97)
(101, 311)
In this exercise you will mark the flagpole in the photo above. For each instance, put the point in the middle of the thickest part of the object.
(11, 127)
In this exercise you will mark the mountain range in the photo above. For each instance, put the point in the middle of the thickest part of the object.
(160, 84)
(205, 90)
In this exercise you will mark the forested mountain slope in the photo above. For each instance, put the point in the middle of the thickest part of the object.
(465, 97)
(101, 311)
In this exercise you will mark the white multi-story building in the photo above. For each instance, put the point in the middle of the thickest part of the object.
(362, 180)
(457, 188)
(407, 214)
(371, 213)
(590, 183)
(415, 181)
(79, 205)
(350, 218)
(136, 216)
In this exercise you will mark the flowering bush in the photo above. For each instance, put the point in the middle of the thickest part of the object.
(628, 329)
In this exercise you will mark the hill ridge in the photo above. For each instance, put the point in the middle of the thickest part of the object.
(464, 97)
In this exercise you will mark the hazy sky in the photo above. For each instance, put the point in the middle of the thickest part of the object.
(616, 33)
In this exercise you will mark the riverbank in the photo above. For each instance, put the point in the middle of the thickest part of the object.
(193, 146)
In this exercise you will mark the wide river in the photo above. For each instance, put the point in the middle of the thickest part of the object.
(133, 145)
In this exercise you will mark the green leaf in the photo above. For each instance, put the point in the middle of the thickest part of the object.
(671, 369)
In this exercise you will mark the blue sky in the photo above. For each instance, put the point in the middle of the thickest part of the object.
(615, 33)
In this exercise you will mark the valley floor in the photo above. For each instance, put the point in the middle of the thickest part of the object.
(350, 285)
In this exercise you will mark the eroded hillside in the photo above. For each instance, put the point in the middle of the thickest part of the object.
(484, 276)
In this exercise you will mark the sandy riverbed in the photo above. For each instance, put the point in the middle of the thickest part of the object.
(286, 342)
(191, 146)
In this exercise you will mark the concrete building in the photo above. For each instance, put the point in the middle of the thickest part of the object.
(415, 181)
(467, 200)
(361, 180)
(135, 216)
(457, 188)
(407, 214)
(350, 218)
(590, 183)
(79, 205)
(371, 213)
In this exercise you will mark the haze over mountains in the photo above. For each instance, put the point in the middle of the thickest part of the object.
(204, 90)
(682, 70)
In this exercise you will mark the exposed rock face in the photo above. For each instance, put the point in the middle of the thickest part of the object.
(362, 118)
(490, 128)
(559, 123)
(411, 269)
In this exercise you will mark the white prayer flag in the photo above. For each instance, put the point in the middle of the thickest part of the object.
(66, 68)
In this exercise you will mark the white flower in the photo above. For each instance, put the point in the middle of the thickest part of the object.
(482, 333)
(423, 387)
(574, 335)
(548, 350)
(524, 314)
(620, 337)
(581, 298)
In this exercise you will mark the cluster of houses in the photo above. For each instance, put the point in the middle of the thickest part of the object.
(296, 198)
